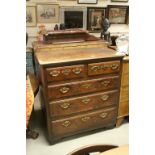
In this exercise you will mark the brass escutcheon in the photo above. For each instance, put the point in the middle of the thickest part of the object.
(64, 90)
(66, 71)
(95, 68)
(54, 73)
(86, 118)
(86, 100)
(105, 83)
(65, 105)
(104, 67)
(103, 115)
(66, 123)
(105, 97)
(77, 70)
(87, 85)
(114, 66)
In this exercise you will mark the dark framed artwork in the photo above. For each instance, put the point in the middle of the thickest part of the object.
(119, 0)
(95, 16)
(87, 1)
(117, 14)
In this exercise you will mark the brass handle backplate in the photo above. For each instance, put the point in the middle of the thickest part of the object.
(86, 100)
(103, 67)
(64, 90)
(114, 66)
(77, 70)
(86, 118)
(103, 115)
(66, 123)
(105, 97)
(54, 73)
(95, 68)
(87, 85)
(105, 83)
(65, 105)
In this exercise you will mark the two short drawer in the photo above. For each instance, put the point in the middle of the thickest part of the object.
(80, 71)
(78, 123)
(84, 103)
(82, 87)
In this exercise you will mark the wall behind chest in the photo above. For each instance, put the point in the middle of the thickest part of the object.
(114, 29)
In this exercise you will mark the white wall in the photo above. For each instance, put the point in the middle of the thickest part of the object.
(114, 29)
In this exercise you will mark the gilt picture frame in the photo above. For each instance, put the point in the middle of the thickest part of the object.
(87, 1)
(47, 13)
(31, 16)
(120, 1)
(95, 16)
(117, 14)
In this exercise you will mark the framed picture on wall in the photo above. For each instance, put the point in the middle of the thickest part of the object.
(117, 14)
(31, 16)
(119, 0)
(87, 1)
(47, 13)
(95, 16)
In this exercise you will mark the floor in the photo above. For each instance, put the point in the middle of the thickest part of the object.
(40, 146)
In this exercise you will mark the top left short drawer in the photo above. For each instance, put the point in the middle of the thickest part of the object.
(65, 72)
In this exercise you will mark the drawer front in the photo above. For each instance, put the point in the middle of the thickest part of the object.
(103, 68)
(65, 73)
(85, 103)
(29, 62)
(77, 88)
(88, 121)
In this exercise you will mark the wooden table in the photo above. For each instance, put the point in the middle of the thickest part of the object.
(122, 150)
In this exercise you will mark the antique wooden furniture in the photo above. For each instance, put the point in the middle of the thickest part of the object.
(80, 83)
(32, 88)
(124, 93)
(88, 150)
(121, 150)
(29, 61)
(80, 89)
(68, 35)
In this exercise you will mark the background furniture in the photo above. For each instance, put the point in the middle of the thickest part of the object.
(34, 83)
(87, 150)
(124, 93)
(121, 150)
(80, 87)
(29, 60)
(32, 88)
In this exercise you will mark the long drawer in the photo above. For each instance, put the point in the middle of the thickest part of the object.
(65, 72)
(82, 87)
(84, 103)
(78, 123)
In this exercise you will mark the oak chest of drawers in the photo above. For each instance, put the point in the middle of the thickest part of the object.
(80, 87)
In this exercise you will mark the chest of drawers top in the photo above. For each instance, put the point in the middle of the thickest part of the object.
(73, 55)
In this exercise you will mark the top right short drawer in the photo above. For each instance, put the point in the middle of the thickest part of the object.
(107, 67)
